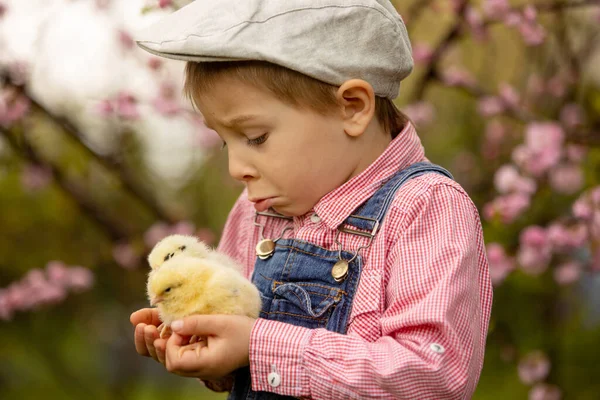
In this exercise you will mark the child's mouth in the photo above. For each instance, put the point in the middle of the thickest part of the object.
(264, 204)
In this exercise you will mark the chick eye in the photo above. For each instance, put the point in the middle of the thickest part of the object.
(182, 248)
(167, 290)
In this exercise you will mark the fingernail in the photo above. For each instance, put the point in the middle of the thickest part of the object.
(177, 325)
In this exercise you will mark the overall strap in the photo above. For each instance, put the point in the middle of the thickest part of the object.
(368, 217)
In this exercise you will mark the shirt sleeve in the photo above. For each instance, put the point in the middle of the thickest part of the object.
(438, 302)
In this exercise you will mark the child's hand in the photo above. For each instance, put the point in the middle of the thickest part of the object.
(226, 349)
(146, 337)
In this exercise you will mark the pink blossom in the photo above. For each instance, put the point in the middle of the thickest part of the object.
(126, 39)
(595, 224)
(509, 95)
(125, 255)
(500, 264)
(534, 367)
(496, 9)
(535, 250)
(454, 76)
(2, 10)
(160, 230)
(127, 106)
(493, 138)
(545, 391)
(595, 196)
(540, 135)
(420, 113)
(422, 53)
(533, 34)
(183, 228)
(576, 153)
(80, 279)
(572, 115)
(105, 108)
(566, 178)
(165, 3)
(34, 177)
(13, 107)
(582, 208)
(507, 179)
(6, 311)
(542, 149)
(58, 273)
(475, 23)
(534, 236)
(513, 18)
(490, 106)
(39, 288)
(165, 103)
(50, 294)
(508, 208)
(566, 238)
(155, 63)
(530, 13)
(567, 273)
(155, 233)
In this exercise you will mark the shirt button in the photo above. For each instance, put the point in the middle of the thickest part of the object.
(274, 379)
(438, 348)
(315, 218)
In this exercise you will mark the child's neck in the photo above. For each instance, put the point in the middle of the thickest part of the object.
(371, 144)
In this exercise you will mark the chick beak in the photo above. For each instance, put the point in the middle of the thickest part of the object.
(156, 300)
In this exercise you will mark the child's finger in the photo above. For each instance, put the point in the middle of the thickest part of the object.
(160, 346)
(148, 316)
(150, 335)
(140, 341)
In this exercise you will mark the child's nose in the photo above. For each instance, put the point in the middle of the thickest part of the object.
(240, 169)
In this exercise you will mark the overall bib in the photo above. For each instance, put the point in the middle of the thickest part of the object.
(296, 283)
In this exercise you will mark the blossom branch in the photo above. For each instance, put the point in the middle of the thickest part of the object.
(111, 163)
(83, 201)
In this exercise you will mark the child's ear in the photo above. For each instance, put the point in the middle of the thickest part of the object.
(357, 99)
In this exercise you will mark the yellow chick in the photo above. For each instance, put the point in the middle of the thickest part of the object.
(185, 285)
(172, 245)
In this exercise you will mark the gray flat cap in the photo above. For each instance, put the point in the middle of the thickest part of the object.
(329, 40)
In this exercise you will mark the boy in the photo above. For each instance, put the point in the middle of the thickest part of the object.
(369, 259)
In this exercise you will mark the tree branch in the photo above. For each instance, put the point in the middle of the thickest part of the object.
(111, 163)
(81, 199)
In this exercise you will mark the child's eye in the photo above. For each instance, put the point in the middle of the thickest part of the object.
(258, 141)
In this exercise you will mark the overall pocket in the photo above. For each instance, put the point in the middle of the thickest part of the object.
(305, 304)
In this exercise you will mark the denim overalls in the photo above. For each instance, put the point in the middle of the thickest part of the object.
(296, 282)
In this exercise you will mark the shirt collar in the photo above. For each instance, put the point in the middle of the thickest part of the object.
(405, 149)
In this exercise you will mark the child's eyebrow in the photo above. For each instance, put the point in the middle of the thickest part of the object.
(239, 120)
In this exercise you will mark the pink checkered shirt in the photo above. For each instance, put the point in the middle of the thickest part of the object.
(420, 314)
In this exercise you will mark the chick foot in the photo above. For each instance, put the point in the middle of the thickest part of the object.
(165, 330)
(194, 346)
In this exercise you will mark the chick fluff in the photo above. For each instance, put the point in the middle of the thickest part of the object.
(173, 245)
(185, 285)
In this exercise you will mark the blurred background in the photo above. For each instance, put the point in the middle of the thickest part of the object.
(100, 157)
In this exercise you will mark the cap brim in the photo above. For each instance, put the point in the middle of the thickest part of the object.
(186, 57)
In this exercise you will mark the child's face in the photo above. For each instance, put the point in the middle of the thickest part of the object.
(287, 155)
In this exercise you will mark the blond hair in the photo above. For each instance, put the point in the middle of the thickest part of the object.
(287, 85)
